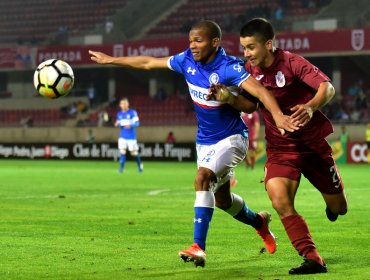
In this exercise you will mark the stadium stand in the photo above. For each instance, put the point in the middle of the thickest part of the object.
(231, 14)
(46, 21)
(171, 111)
(43, 20)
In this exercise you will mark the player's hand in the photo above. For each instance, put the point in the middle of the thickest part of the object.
(285, 123)
(100, 57)
(220, 92)
(302, 114)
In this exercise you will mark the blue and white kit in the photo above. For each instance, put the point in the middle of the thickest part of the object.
(131, 118)
(222, 137)
(127, 137)
(216, 121)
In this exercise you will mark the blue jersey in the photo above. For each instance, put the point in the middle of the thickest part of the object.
(131, 118)
(216, 121)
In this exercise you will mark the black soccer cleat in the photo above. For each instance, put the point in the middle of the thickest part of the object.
(309, 267)
(331, 216)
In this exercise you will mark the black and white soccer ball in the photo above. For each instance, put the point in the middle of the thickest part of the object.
(53, 78)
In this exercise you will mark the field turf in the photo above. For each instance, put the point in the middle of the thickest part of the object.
(84, 220)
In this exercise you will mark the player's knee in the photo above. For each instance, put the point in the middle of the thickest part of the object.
(341, 209)
(282, 207)
(134, 153)
(203, 179)
(122, 151)
(338, 206)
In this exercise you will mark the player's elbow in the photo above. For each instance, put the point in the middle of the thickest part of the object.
(330, 91)
(250, 107)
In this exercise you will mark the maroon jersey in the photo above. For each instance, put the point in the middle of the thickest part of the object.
(291, 79)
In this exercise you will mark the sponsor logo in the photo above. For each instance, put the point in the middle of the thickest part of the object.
(68, 56)
(357, 39)
(358, 152)
(191, 70)
(293, 44)
(259, 77)
(143, 50)
(237, 67)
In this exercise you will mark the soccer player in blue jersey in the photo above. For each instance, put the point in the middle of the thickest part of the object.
(128, 121)
(222, 137)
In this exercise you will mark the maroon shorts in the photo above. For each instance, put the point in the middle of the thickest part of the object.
(318, 166)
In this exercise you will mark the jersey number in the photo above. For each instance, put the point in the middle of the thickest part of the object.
(335, 177)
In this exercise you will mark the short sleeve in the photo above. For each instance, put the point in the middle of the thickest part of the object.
(307, 72)
(175, 62)
(235, 72)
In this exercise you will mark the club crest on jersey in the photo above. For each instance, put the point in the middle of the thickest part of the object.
(280, 79)
(214, 78)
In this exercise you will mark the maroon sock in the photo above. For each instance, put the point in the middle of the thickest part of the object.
(299, 234)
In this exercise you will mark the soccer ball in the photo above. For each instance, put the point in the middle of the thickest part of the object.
(53, 78)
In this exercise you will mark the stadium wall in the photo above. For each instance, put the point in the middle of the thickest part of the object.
(183, 134)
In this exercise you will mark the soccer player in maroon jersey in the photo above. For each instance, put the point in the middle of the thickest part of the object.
(301, 89)
(291, 79)
(252, 121)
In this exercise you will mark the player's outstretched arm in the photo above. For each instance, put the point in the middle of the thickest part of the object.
(140, 62)
(303, 113)
(283, 122)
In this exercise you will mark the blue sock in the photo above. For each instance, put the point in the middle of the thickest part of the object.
(240, 211)
(247, 216)
(122, 161)
(202, 219)
(203, 210)
(138, 161)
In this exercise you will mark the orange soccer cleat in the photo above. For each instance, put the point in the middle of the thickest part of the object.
(194, 254)
(265, 233)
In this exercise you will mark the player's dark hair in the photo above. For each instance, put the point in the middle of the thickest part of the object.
(260, 28)
(212, 29)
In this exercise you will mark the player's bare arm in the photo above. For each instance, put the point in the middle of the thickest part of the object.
(283, 122)
(139, 62)
(232, 96)
(302, 113)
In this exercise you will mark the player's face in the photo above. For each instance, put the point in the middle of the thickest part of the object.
(124, 105)
(202, 47)
(257, 52)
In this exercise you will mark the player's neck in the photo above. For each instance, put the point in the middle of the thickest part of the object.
(269, 60)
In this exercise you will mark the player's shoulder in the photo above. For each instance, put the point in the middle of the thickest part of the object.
(233, 63)
(288, 56)
(181, 60)
(185, 55)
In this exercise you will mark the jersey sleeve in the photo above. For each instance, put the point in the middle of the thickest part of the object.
(307, 72)
(235, 73)
(175, 62)
(135, 119)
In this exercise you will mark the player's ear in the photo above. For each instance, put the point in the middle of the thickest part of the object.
(216, 42)
(269, 44)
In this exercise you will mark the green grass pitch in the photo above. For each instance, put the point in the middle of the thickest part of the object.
(84, 220)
